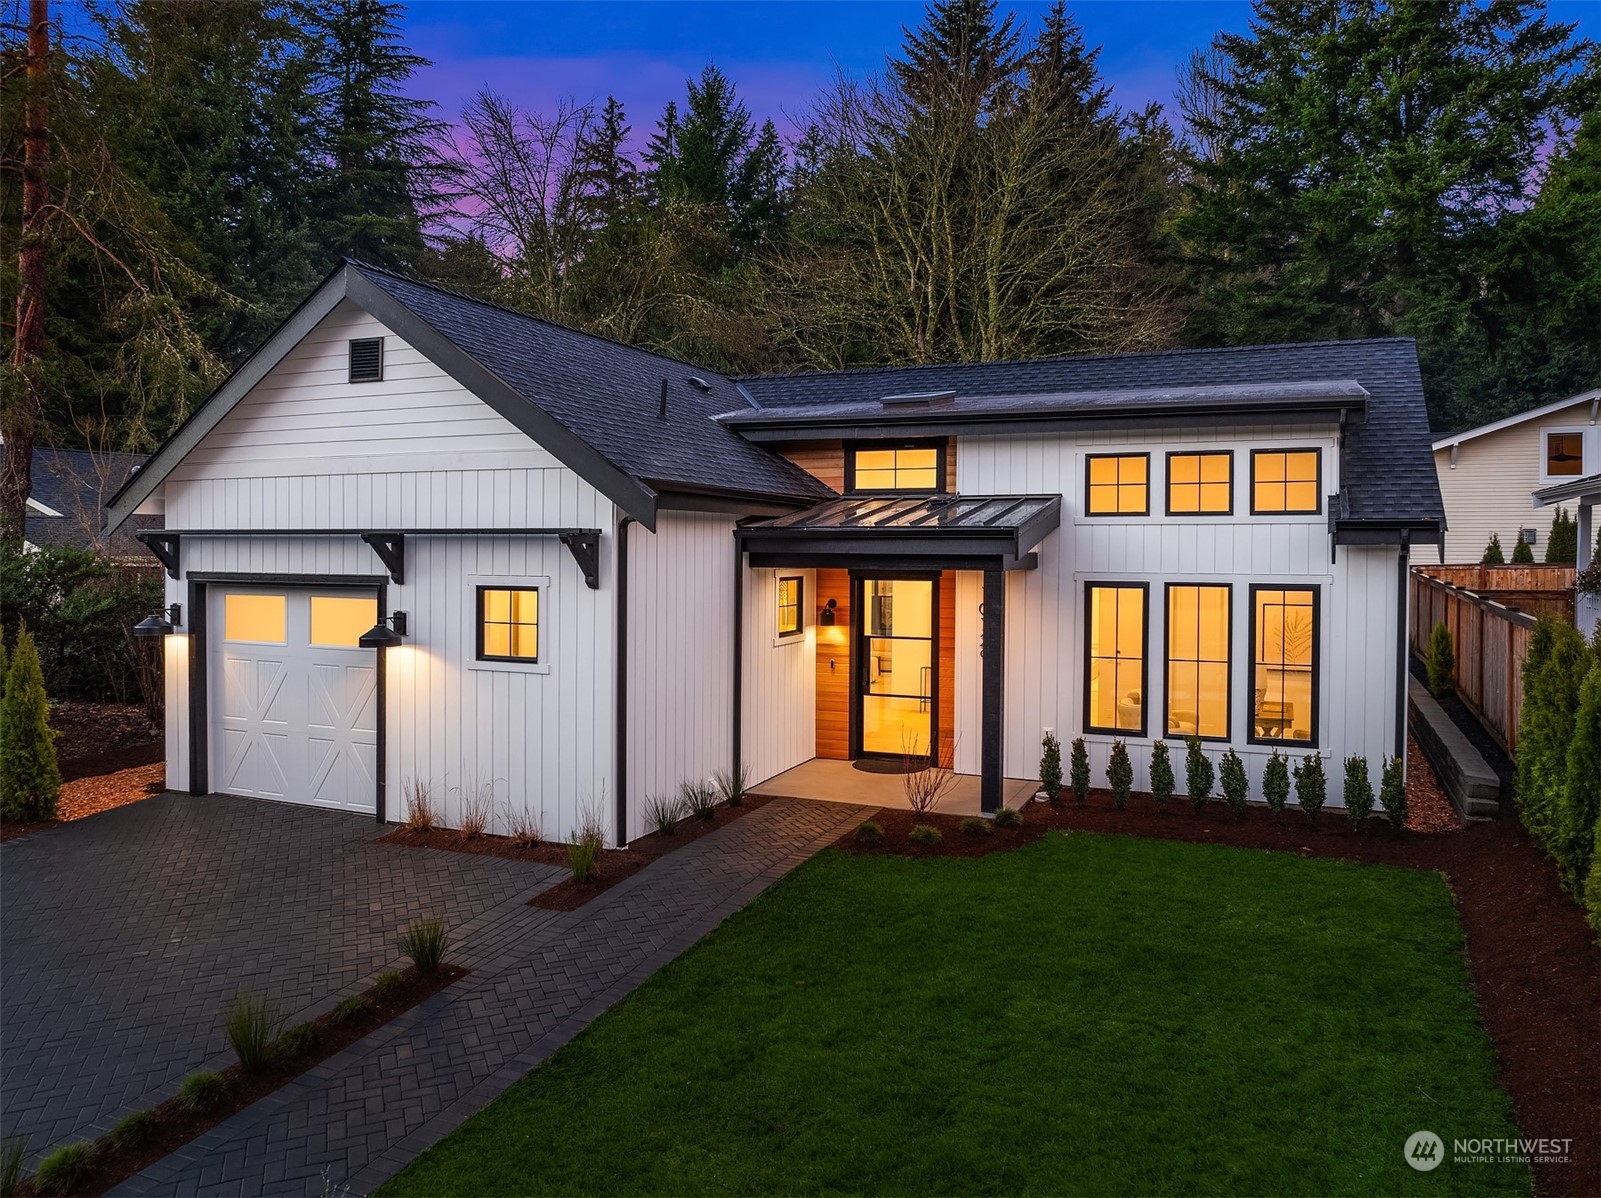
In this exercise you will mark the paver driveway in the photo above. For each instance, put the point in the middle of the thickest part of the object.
(127, 934)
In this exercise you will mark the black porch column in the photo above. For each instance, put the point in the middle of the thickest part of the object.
(994, 652)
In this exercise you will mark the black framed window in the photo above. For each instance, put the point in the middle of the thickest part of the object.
(1198, 644)
(1284, 665)
(1114, 654)
(1118, 484)
(914, 466)
(1200, 484)
(508, 624)
(366, 359)
(791, 598)
(1286, 481)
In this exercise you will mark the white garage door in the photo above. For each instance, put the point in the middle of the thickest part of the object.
(293, 697)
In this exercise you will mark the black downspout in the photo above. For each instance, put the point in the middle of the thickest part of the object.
(621, 769)
(1403, 576)
(739, 654)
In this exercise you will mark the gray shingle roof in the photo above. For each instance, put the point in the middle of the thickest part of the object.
(77, 483)
(608, 394)
(1388, 463)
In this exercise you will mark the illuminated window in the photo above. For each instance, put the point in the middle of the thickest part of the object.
(1115, 631)
(1198, 661)
(1200, 483)
(1564, 454)
(791, 593)
(508, 624)
(339, 622)
(254, 618)
(1119, 485)
(1283, 666)
(904, 468)
(1285, 481)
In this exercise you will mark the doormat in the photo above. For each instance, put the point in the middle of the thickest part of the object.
(869, 765)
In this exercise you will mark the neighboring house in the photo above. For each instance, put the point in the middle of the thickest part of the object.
(620, 572)
(1487, 473)
(66, 505)
(1585, 495)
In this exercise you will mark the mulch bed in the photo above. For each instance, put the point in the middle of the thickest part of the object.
(104, 738)
(177, 1124)
(612, 867)
(1534, 960)
(92, 795)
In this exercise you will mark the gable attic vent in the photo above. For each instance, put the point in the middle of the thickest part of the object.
(919, 399)
(366, 359)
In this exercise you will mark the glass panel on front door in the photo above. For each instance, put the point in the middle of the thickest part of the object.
(896, 658)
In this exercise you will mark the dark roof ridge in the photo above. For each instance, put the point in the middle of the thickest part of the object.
(545, 320)
(1102, 357)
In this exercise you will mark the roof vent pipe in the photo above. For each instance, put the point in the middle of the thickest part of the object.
(661, 412)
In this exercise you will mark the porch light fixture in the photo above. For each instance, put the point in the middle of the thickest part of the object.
(390, 630)
(826, 616)
(160, 623)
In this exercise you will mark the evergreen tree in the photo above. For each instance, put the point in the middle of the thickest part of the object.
(371, 138)
(611, 180)
(1062, 71)
(663, 174)
(712, 142)
(1581, 796)
(960, 55)
(1562, 545)
(1522, 552)
(1492, 552)
(30, 780)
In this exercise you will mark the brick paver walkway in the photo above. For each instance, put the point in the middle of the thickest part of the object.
(127, 935)
(538, 978)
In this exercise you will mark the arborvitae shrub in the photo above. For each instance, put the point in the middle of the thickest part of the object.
(1441, 662)
(1492, 552)
(1051, 767)
(1080, 771)
(1311, 786)
(1553, 673)
(1276, 783)
(1563, 543)
(1392, 793)
(1198, 773)
(1358, 791)
(30, 779)
(1236, 784)
(1522, 553)
(1161, 774)
(1581, 796)
(1120, 774)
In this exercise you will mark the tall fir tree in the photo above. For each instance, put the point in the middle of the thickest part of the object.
(611, 180)
(960, 53)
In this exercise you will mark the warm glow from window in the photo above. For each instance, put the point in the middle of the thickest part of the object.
(1284, 644)
(1284, 482)
(1200, 483)
(1116, 659)
(339, 622)
(1119, 486)
(789, 606)
(508, 624)
(255, 618)
(1564, 453)
(1198, 661)
(897, 469)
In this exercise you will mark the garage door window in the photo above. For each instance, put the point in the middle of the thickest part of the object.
(338, 622)
(259, 618)
(508, 624)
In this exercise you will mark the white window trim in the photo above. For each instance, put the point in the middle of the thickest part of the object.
(1585, 455)
(525, 582)
(803, 636)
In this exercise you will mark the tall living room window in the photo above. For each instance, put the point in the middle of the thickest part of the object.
(1198, 661)
(1115, 653)
(1284, 674)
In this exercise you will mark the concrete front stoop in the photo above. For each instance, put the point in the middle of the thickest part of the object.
(1465, 776)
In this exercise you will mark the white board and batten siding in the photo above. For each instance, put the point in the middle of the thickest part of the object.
(1045, 617)
(307, 449)
(779, 725)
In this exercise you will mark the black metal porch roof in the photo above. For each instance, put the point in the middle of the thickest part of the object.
(954, 531)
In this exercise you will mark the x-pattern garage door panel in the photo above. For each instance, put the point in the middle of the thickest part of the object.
(293, 720)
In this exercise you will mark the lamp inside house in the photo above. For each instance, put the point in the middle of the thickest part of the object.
(390, 630)
(826, 616)
(160, 623)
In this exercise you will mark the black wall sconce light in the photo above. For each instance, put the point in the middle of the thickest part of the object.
(390, 630)
(826, 616)
(160, 623)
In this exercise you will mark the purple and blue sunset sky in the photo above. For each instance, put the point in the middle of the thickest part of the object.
(779, 53)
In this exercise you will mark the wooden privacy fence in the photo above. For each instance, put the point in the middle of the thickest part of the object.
(1491, 641)
(1541, 590)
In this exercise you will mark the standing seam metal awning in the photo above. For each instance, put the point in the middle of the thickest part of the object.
(976, 531)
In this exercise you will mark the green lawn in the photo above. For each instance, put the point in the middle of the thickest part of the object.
(1093, 1014)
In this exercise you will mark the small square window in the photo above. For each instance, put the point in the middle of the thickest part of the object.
(1286, 482)
(1200, 484)
(1119, 484)
(508, 624)
(898, 468)
(366, 359)
(1564, 455)
(791, 596)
